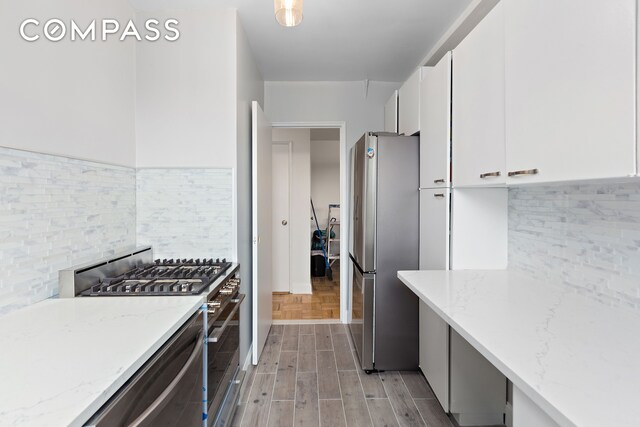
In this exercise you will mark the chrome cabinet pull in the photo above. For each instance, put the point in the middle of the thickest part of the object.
(147, 417)
(439, 181)
(217, 333)
(524, 172)
(490, 175)
(439, 195)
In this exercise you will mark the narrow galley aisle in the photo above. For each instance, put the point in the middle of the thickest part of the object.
(308, 375)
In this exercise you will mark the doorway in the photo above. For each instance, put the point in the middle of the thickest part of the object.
(304, 290)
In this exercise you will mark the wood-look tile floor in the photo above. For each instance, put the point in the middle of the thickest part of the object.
(308, 376)
(323, 303)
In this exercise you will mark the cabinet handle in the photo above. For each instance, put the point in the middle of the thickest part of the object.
(489, 175)
(524, 172)
(439, 181)
(439, 195)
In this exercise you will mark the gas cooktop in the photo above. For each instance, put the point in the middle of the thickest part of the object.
(163, 278)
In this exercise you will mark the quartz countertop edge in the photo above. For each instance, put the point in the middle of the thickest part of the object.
(56, 364)
(62, 359)
(565, 351)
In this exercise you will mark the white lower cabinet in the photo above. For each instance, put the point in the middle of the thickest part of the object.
(478, 390)
(527, 414)
(434, 353)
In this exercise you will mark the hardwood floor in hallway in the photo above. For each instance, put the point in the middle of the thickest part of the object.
(308, 376)
(323, 303)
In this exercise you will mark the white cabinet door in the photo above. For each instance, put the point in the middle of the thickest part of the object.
(391, 114)
(435, 124)
(434, 353)
(434, 229)
(478, 104)
(409, 105)
(434, 255)
(570, 98)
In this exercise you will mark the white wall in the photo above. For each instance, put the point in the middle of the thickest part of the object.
(67, 98)
(250, 87)
(186, 92)
(300, 270)
(330, 101)
(325, 178)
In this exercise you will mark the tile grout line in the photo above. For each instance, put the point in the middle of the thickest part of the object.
(392, 408)
(315, 338)
(355, 362)
(253, 381)
(364, 395)
(295, 386)
(276, 376)
(413, 399)
(344, 411)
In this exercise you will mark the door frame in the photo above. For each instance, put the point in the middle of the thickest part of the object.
(344, 205)
(289, 144)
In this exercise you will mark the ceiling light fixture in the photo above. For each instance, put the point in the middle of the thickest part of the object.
(288, 12)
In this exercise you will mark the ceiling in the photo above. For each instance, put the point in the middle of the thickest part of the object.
(343, 39)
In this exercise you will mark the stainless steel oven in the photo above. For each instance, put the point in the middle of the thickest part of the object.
(167, 390)
(194, 379)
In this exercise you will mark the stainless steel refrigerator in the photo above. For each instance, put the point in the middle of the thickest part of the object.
(384, 239)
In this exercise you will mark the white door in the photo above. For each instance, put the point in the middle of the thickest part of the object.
(570, 89)
(261, 211)
(478, 104)
(280, 218)
(435, 124)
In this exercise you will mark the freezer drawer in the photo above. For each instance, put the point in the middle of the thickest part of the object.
(362, 315)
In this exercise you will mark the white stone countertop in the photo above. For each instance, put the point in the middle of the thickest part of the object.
(576, 358)
(62, 359)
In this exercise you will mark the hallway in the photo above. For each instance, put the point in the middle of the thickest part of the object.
(307, 375)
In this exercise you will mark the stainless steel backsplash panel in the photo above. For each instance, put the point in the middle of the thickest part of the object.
(77, 279)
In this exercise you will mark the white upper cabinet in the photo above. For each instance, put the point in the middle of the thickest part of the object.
(478, 104)
(391, 114)
(409, 105)
(435, 125)
(570, 97)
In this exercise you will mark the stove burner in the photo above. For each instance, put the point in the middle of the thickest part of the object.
(163, 277)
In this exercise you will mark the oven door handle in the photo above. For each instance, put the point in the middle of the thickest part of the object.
(217, 333)
(146, 418)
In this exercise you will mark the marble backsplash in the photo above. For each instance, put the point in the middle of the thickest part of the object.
(584, 236)
(56, 212)
(185, 212)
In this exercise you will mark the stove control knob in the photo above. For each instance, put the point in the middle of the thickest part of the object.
(217, 260)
